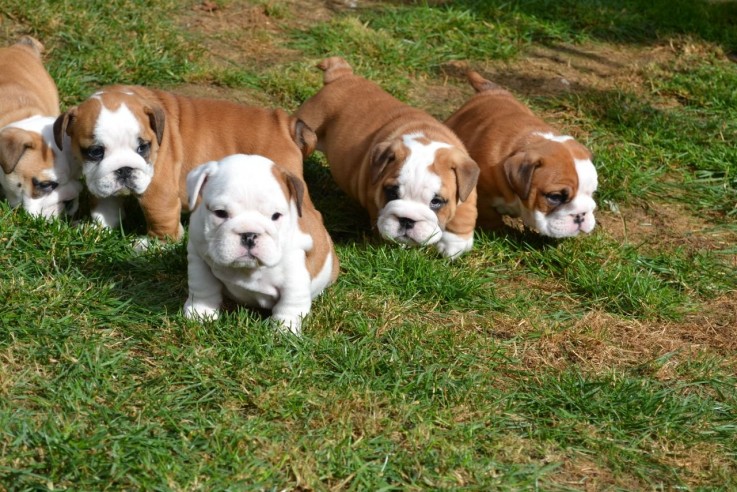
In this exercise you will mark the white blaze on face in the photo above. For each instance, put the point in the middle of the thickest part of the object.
(409, 219)
(118, 133)
(553, 137)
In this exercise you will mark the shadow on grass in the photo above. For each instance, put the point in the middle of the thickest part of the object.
(633, 21)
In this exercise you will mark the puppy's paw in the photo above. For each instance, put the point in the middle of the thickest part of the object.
(142, 244)
(200, 310)
(287, 324)
(453, 246)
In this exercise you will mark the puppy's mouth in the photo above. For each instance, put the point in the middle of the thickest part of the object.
(247, 260)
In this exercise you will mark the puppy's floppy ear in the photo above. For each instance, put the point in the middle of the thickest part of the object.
(296, 189)
(196, 180)
(13, 143)
(384, 154)
(467, 174)
(519, 169)
(157, 120)
(303, 136)
(62, 126)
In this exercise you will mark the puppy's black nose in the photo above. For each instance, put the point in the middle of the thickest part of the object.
(579, 218)
(406, 223)
(248, 239)
(69, 204)
(124, 172)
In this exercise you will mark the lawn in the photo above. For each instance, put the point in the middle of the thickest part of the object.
(600, 362)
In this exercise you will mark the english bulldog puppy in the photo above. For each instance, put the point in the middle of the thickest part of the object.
(528, 169)
(131, 140)
(36, 174)
(411, 173)
(257, 238)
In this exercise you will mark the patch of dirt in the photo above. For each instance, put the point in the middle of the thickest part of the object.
(600, 342)
(665, 226)
(237, 33)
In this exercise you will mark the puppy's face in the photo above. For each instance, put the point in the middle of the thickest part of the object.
(37, 176)
(248, 211)
(419, 184)
(115, 136)
(555, 181)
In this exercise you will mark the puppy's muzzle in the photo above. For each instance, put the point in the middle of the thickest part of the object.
(124, 173)
(248, 239)
(406, 223)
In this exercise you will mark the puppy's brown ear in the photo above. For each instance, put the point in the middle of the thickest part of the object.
(467, 175)
(296, 190)
(13, 143)
(303, 136)
(383, 155)
(196, 181)
(62, 126)
(157, 120)
(519, 170)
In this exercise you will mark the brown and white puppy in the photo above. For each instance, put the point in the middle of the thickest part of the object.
(36, 175)
(408, 170)
(257, 238)
(131, 140)
(528, 169)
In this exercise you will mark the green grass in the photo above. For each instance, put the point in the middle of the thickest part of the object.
(604, 362)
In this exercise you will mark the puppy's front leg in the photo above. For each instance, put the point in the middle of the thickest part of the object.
(295, 300)
(205, 290)
(107, 211)
(162, 209)
(458, 235)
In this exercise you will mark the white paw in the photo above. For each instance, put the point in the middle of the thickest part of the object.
(452, 245)
(287, 324)
(141, 244)
(201, 311)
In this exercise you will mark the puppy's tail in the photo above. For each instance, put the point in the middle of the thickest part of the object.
(334, 68)
(34, 44)
(480, 83)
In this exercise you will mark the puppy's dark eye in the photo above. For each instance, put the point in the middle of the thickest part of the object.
(556, 198)
(94, 153)
(437, 202)
(391, 193)
(220, 214)
(44, 186)
(143, 148)
(276, 216)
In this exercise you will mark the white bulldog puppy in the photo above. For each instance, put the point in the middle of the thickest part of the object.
(257, 238)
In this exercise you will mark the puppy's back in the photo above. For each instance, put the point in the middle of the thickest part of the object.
(27, 88)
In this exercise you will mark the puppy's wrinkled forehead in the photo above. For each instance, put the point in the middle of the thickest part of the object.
(249, 181)
(106, 114)
(416, 172)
